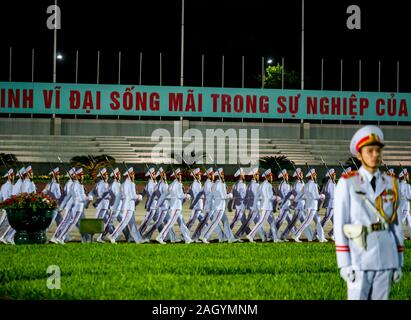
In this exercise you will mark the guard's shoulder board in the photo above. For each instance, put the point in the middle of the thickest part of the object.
(349, 175)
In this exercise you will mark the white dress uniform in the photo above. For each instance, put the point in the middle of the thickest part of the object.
(114, 209)
(298, 204)
(28, 186)
(405, 198)
(284, 190)
(53, 190)
(102, 194)
(266, 197)
(80, 199)
(207, 196)
(311, 196)
(239, 191)
(251, 203)
(197, 209)
(368, 234)
(220, 197)
(151, 203)
(6, 191)
(8, 235)
(65, 206)
(128, 205)
(328, 203)
(175, 196)
(163, 208)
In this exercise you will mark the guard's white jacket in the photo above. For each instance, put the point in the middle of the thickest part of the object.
(265, 196)
(128, 195)
(115, 196)
(78, 195)
(205, 194)
(28, 186)
(163, 201)
(148, 191)
(311, 195)
(67, 201)
(53, 189)
(239, 193)
(17, 187)
(298, 191)
(219, 191)
(102, 193)
(405, 197)
(384, 248)
(328, 192)
(176, 195)
(195, 188)
(284, 189)
(6, 191)
(251, 201)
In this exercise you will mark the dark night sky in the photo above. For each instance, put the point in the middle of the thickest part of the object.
(234, 28)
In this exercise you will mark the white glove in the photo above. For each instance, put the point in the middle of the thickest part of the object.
(139, 197)
(322, 196)
(90, 198)
(279, 200)
(229, 196)
(291, 197)
(397, 275)
(348, 274)
(188, 197)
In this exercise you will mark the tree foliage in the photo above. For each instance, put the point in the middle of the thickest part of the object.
(273, 78)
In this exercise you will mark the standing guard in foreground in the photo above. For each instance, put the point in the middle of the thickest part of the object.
(368, 233)
(405, 198)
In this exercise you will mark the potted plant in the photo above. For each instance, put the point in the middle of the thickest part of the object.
(30, 214)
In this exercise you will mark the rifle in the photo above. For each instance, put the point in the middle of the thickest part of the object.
(61, 162)
(326, 167)
(355, 163)
(278, 165)
(111, 167)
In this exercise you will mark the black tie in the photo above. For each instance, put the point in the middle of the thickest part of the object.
(373, 183)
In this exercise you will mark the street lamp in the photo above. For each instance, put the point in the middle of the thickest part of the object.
(269, 61)
(59, 56)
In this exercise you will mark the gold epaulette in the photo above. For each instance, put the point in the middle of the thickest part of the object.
(349, 174)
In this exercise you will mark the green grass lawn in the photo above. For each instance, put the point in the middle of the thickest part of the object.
(179, 271)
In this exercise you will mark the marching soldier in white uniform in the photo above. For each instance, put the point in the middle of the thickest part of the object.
(239, 191)
(207, 196)
(298, 204)
(6, 192)
(162, 215)
(151, 203)
(176, 196)
(328, 203)
(251, 203)
(53, 189)
(405, 198)
(8, 235)
(220, 196)
(194, 189)
(79, 202)
(368, 232)
(266, 197)
(102, 194)
(311, 196)
(27, 184)
(129, 197)
(286, 196)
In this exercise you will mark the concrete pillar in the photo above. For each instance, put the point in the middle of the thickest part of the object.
(305, 130)
(55, 126)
